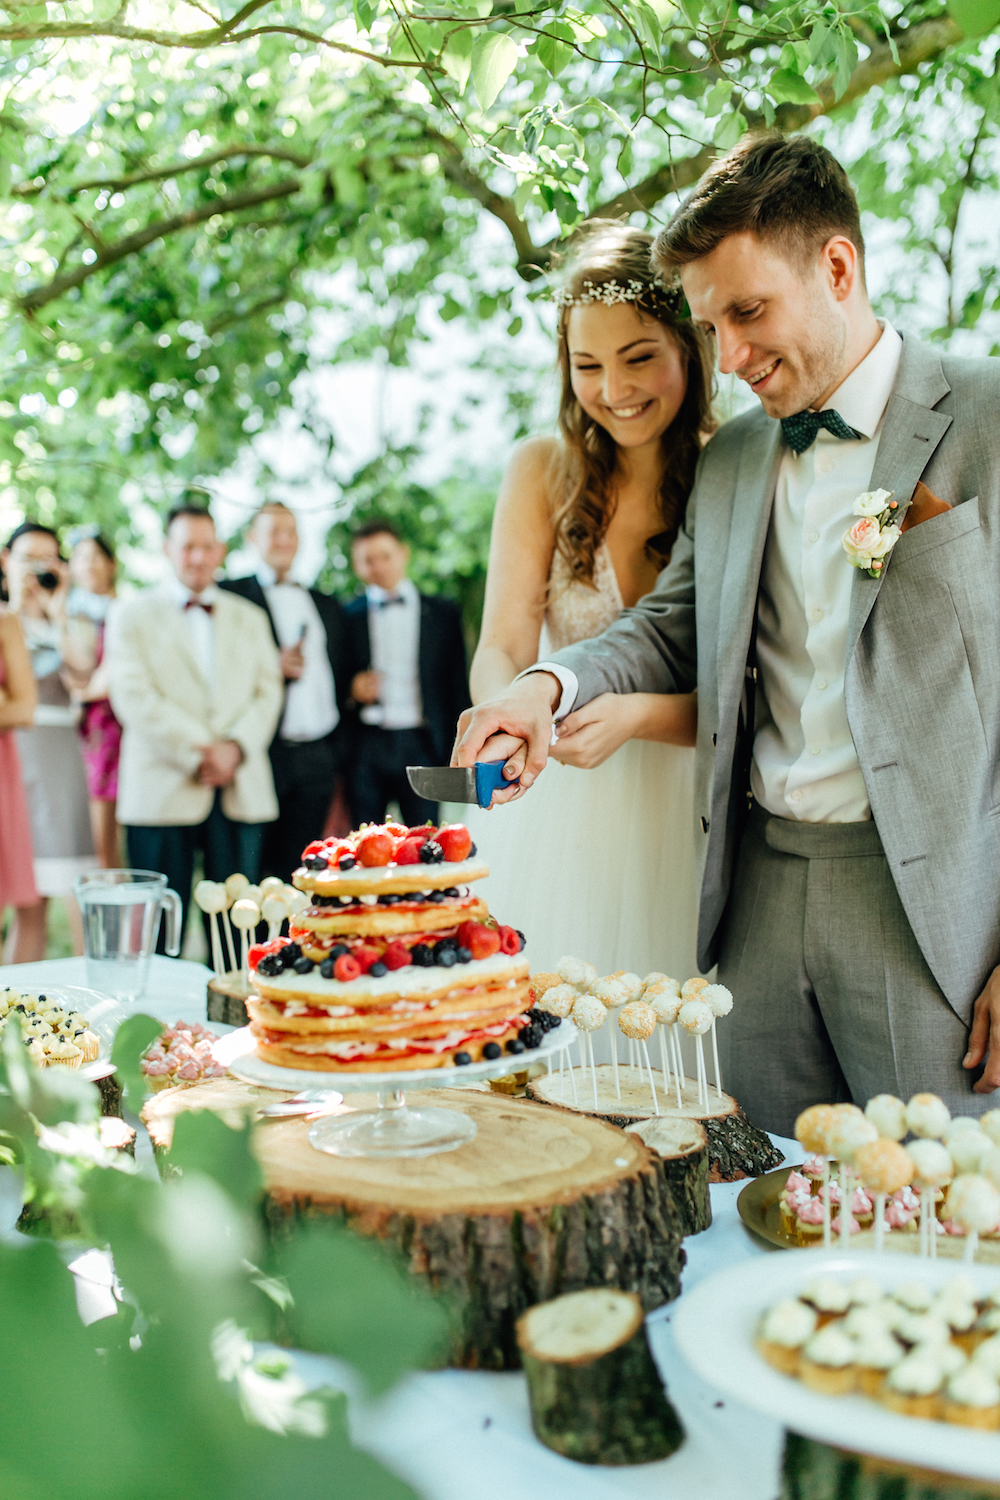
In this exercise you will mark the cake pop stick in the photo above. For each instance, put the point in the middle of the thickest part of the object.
(588, 1016)
(613, 996)
(812, 1129)
(883, 1166)
(664, 995)
(696, 1018)
(274, 911)
(720, 1002)
(246, 915)
(847, 1132)
(932, 1170)
(211, 898)
(637, 1021)
(234, 886)
(974, 1203)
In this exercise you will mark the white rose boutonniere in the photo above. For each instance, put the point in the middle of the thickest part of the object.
(873, 536)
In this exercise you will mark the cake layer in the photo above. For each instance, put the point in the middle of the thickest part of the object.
(383, 879)
(400, 984)
(360, 1057)
(419, 1019)
(390, 921)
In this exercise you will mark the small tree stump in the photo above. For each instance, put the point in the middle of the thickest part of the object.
(226, 1000)
(682, 1146)
(596, 1395)
(736, 1148)
(816, 1471)
(110, 1090)
(541, 1202)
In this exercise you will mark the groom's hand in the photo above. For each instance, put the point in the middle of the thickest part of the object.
(524, 714)
(984, 1038)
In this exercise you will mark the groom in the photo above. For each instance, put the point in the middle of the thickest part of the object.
(848, 761)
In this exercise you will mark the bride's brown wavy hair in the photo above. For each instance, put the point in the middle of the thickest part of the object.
(608, 252)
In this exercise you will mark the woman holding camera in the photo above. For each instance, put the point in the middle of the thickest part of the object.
(37, 581)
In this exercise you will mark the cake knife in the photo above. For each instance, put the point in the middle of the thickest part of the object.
(459, 783)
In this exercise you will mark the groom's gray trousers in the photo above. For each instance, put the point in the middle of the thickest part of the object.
(833, 998)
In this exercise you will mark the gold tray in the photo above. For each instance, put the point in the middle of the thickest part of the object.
(759, 1209)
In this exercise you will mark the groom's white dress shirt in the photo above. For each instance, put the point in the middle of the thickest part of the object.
(394, 633)
(805, 765)
(311, 710)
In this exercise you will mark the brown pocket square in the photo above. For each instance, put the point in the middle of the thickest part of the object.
(923, 506)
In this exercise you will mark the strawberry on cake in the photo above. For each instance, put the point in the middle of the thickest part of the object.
(394, 964)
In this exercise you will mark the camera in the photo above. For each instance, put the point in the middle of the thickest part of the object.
(46, 579)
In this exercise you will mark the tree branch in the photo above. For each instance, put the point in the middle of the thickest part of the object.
(461, 175)
(40, 295)
(160, 174)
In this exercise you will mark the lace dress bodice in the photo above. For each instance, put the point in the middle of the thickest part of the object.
(577, 612)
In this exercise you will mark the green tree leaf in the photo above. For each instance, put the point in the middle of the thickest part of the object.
(131, 1040)
(729, 129)
(787, 87)
(975, 17)
(494, 57)
(456, 59)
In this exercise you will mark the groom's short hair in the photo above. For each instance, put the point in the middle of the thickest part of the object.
(793, 191)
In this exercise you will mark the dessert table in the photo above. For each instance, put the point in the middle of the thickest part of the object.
(460, 1435)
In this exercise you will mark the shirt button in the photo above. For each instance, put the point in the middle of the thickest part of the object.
(821, 685)
(814, 536)
(796, 796)
(814, 751)
(817, 614)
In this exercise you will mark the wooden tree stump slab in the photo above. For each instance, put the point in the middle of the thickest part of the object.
(226, 1000)
(233, 1101)
(816, 1471)
(111, 1093)
(682, 1146)
(538, 1204)
(736, 1148)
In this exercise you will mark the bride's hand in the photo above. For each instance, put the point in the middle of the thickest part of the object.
(589, 736)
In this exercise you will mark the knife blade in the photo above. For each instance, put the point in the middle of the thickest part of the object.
(459, 783)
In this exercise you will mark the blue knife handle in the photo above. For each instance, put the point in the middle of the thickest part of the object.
(490, 779)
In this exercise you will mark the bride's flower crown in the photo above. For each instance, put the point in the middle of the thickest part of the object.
(611, 292)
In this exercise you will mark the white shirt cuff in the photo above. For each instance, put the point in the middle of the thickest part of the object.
(567, 681)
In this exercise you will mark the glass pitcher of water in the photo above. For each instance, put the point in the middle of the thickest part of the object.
(121, 918)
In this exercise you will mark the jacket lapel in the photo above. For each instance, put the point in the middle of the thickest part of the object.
(911, 432)
(753, 497)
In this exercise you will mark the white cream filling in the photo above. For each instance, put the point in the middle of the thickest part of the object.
(399, 1044)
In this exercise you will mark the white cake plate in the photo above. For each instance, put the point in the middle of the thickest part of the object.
(394, 1129)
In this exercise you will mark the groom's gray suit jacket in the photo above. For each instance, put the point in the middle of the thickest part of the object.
(923, 657)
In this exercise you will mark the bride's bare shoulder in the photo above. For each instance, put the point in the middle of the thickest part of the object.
(538, 465)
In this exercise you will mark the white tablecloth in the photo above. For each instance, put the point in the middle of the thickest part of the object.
(459, 1435)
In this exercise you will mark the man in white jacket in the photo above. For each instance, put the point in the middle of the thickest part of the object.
(196, 683)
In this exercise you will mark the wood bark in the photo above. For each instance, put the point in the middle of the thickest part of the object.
(598, 1405)
(736, 1148)
(541, 1202)
(815, 1471)
(682, 1146)
(110, 1090)
(227, 1001)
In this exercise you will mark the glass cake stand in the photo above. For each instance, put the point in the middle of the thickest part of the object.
(393, 1129)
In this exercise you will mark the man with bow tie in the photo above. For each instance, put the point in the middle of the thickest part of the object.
(196, 684)
(844, 648)
(406, 667)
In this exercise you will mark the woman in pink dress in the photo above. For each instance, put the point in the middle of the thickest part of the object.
(92, 574)
(17, 709)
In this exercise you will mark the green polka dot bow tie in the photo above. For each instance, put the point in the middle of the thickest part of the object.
(800, 431)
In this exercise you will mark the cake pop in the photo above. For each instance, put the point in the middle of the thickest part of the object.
(720, 1002)
(888, 1115)
(665, 1009)
(574, 971)
(967, 1148)
(613, 995)
(927, 1116)
(989, 1166)
(637, 1021)
(812, 1130)
(246, 915)
(849, 1130)
(588, 1015)
(883, 1166)
(932, 1169)
(542, 982)
(272, 885)
(559, 1000)
(210, 896)
(631, 983)
(974, 1203)
(990, 1123)
(696, 1018)
(274, 911)
(690, 988)
(295, 900)
(235, 885)
(662, 987)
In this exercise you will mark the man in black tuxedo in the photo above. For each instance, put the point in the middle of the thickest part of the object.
(308, 627)
(406, 664)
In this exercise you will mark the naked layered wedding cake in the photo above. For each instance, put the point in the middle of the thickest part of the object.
(395, 964)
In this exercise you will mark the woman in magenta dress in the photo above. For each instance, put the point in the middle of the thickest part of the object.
(17, 709)
(92, 573)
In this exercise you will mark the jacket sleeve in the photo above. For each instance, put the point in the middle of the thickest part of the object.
(137, 700)
(254, 726)
(650, 648)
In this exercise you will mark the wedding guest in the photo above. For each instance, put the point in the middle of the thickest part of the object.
(196, 683)
(38, 583)
(584, 524)
(92, 575)
(406, 668)
(18, 698)
(308, 629)
(843, 644)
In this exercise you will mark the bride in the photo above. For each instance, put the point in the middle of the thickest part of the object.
(598, 860)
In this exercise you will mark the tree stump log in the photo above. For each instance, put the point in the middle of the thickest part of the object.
(110, 1090)
(815, 1471)
(596, 1394)
(226, 1000)
(540, 1203)
(736, 1148)
(682, 1146)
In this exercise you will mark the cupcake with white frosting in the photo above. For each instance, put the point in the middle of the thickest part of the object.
(972, 1398)
(913, 1386)
(784, 1329)
(828, 1362)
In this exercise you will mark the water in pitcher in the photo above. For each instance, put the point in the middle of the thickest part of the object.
(120, 924)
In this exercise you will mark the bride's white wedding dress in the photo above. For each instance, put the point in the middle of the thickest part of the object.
(598, 864)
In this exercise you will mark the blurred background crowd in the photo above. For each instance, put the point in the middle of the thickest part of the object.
(207, 724)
